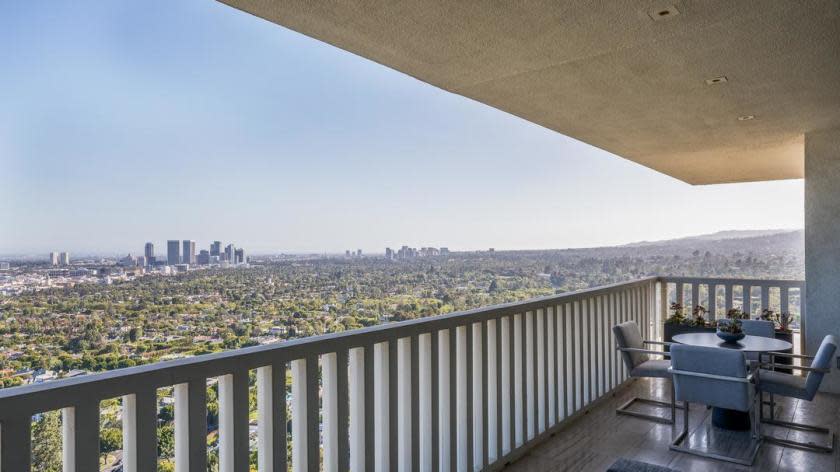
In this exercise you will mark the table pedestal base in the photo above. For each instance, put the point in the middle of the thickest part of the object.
(731, 419)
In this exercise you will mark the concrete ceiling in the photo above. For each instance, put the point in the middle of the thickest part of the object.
(615, 73)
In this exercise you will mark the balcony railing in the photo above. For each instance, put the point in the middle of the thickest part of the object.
(463, 391)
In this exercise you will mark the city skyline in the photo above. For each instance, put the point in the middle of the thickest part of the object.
(313, 151)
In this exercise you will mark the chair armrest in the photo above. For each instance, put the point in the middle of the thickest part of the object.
(643, 351)
(661, 343)
(726, 378)
(785, 354)
(794, 367)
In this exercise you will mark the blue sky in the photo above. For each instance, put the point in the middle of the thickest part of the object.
(124, 122)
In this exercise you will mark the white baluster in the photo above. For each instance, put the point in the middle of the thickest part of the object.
(357, 384)
(68, 439)
(299, 426)
(182, 428)
(226, 443)
(129, 430)
(330, 405)
(265, 418)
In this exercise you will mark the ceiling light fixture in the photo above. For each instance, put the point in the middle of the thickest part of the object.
(746, 117)
(663, 13)
(717, 80)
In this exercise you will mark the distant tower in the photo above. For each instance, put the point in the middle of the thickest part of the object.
(54, 258)
(230, 253)
(239, 256)
(173, 252)
(149, 251)
(188, 252)
(216, 248)
(64, 258)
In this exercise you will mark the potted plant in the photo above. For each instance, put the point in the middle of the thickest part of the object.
(730, 330)
(737, 314)
(677, 315)
(699, 313)
(679, 323)
(784, 321)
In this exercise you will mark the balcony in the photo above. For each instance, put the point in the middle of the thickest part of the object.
(532, 384)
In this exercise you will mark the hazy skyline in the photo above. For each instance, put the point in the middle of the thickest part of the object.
(126, 122)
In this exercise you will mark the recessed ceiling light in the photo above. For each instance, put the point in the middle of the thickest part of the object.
(716, 80)
(663, 13)
(746, 117)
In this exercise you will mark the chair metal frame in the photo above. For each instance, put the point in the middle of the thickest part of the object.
(625, 408)
(809, 446)
(676, 444)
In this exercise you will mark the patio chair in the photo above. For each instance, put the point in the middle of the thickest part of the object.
(718, 378)
(763, 328)
(802, 388)
(639, 364)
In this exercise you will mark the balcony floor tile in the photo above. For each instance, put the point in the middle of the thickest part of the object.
(597, 439)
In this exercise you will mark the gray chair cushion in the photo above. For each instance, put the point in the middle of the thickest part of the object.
(763, 328)
(731, 394)
(627, 334)
(652, 368)
(628, 465)
(822, 360)
(779, 383)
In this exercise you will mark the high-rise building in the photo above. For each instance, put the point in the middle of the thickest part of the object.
(4, 266)
(203, 257)
(230, 253)
(149, 251)
(173, 252)
(188, 252)
(239, 256)
(54, 258)
(389, 253)
(64, 258)
(216, 248)
(128, 261)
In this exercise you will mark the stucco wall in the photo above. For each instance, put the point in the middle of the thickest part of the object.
(822, 241)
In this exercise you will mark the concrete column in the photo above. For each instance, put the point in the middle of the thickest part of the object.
(822, 242)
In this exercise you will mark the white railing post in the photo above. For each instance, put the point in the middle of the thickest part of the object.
(425, 400)
(68, 439)
(492, 385)
(182, 428)
(404, 388)
(477, 402)
(518, 381)
(330, 405)
(226, 425)
(265, 425)
(382, 407)
(299, 426)
(507, 440)
(357, 385)
(129, 433)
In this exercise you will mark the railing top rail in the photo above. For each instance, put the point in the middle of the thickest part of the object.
(66, 392)
(734, 281)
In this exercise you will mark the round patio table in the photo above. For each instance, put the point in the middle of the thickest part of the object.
(722, 417)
